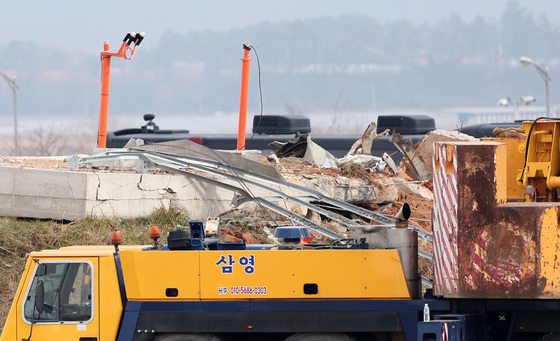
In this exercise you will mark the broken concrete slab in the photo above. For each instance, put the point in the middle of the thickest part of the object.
(22, 193)
(115, 194)
(425, 147)
(181, 164)
(350, 190)
(66, 195)
(416, 188)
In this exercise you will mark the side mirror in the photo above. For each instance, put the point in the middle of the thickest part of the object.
(40, 296)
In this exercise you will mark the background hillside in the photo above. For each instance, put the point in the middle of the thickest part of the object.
(306, 65)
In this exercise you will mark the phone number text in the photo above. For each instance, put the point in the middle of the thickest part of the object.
(243, 290)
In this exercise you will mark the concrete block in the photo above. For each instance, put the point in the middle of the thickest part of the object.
(70, 195)
(36, 183)
(125, 208)
(202, 209)
(425, 147)
(42, 193)
(41, 207)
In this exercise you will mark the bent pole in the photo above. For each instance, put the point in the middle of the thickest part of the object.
(131, 38)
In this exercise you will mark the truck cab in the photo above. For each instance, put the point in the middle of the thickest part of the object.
(60, 295)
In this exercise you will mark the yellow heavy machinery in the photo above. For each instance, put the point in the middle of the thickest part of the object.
(497, 274)
(541, 171)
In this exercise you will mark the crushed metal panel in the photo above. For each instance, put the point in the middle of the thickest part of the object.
(484, 246)
(295, 147)
(189, 148)
(318, 156)
(237, 174)
(413, 162)
(181, 164)
(367, 140)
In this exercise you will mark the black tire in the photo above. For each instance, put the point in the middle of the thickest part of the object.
(187, 337)
(319, 337)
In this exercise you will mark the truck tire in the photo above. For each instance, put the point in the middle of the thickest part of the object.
(319, 337)
(187, 337)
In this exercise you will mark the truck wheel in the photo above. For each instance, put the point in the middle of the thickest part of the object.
(187, 337)
(319, 337)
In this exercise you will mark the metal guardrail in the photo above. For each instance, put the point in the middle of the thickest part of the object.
(215, 164)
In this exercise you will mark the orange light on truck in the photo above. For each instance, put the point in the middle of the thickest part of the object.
(116, 239)
(154, 232)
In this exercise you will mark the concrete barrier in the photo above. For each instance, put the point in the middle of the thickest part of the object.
(68, 195)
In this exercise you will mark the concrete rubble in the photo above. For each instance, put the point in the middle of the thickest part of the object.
(28, 189)
(424, 149)
(67, 195)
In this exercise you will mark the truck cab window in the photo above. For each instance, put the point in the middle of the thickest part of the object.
(68, 293)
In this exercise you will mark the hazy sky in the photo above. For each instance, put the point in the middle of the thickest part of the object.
(86, 24)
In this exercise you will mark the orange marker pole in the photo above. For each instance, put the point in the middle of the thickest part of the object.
(105, 74)
(131, 38)
(243, 102)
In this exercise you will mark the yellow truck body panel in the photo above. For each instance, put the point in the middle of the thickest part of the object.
(263, 274)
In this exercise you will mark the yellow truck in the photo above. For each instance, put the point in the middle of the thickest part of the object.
(199, 289)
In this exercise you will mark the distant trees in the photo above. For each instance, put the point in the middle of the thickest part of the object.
(307, 63)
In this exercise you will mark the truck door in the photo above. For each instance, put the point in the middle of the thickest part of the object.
(66, 291)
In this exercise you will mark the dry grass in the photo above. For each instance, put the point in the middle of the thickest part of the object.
(19, 236)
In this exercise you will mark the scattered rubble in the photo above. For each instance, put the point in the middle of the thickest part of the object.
(233, 234)
(412, 162)
(517, 133)
(295, 147)
(36, 162)
(424, 148)
(360, 179)
(317, 156)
